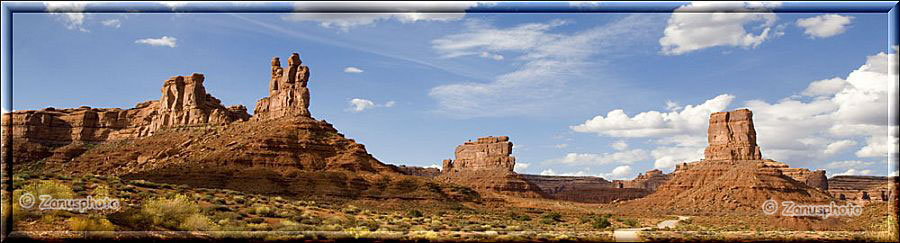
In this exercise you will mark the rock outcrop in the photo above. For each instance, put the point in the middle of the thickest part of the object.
(732, 136)
(419, 171)
(288, 94)
(486, 165)
(184, 102)
(485, 154)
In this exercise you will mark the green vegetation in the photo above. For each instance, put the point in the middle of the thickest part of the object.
(90, 223)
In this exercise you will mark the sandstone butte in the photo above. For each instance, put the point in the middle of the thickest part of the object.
(189, 137)
(733, 175)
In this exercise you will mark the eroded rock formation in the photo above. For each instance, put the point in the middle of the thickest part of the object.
(486, 165)
(288, 94)
(184, 102)
(485, 154)
(732, 136)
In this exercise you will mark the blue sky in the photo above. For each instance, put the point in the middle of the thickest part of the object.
(600, 94)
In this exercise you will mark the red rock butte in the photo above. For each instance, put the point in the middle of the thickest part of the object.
(731, 136)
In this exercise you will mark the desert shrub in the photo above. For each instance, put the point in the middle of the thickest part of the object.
(256, 220)
(90, 223)
(601, 223)
(259, 227)
(631, 222)
(520, 217)
(101, 191)
(196, 222)
(264, 211)
(414, 213)
(551, 218)
(36, 189)
(169, 212)
(350, 209)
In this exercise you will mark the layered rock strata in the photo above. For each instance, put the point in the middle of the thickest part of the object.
(731, 136)
(485, 154)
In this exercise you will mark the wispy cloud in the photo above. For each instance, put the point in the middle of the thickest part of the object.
(70, 13)
(162, 41)
(352, 70)
(405, 12)
(547, 64)
(114, 23)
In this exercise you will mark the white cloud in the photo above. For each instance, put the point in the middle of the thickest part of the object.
(620, 172)
(689, 120)
(71, 13)
(521, 167)
(692, 27)
(433, 166)
(855, 172)
(114, 23)
(823, 26)
(847, 164)
(352, 70)
(666, 157)
(619, 145)
(839, 146)
(561, 146)
(405, 12)
(621, 157)
(548, 64)
(162, 41)
(358, 105)
(825, 87)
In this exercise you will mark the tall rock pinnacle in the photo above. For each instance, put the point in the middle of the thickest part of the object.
(288, 95)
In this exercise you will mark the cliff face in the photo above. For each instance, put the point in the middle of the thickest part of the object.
(731, 136)
(184, 102)
(485, 154)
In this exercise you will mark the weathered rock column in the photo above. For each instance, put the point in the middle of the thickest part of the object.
(731, 136)
(288, 94)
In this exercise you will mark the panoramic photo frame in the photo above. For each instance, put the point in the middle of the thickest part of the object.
(450, 121)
